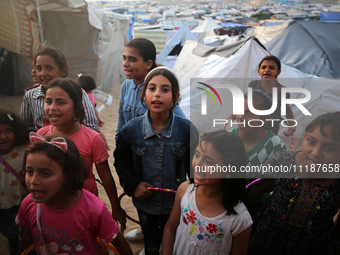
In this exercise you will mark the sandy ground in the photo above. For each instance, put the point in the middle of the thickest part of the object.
(110, 116)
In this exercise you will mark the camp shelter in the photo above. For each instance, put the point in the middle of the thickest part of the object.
(93, 41)
(214, 66)
(182, 35)
(310, 46)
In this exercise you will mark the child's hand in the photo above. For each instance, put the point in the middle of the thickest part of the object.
(100, 122)
(290, 131)
(142, 190)
(119, 215)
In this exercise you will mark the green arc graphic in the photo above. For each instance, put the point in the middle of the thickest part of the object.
(209, 93)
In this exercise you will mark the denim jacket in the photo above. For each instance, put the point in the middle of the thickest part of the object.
(130, 105)
(159, 158)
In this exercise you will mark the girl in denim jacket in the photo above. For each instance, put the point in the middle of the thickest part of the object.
(154, 150)
(139, 58)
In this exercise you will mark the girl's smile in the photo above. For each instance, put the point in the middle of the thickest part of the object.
(319, 149)
(206, 156)
(44, 179)
(47, 69)
(59, 107)
(7, 139)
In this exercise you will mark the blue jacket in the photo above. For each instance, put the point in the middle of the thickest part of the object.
(130, 105)
(160, 158)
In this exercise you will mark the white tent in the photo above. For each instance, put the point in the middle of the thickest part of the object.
(239, 69)
(113, 36)
(206, 27)
(182, 35)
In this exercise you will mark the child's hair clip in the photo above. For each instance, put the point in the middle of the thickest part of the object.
(58, 142)
(79, 75)
(10, 117)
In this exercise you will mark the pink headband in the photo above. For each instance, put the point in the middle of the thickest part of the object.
(59, 142)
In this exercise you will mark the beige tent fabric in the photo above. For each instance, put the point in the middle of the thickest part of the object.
(266, 33)
(19, 31)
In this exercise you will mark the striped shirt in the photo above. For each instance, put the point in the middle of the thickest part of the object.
(270, 144)
(32, 110)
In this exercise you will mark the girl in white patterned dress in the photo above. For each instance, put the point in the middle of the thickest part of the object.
(208, 216)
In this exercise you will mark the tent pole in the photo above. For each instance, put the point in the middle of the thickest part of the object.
(40, 23)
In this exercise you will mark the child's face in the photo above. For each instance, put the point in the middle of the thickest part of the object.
(44, 179)
(134, 65)
(47, 69)
(249, 118)
(158, 95)
(206, 156)
(269, 69)
(59, 107)
(318, 149)
(7, 139)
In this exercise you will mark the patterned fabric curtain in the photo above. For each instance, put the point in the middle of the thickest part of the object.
(19, 29)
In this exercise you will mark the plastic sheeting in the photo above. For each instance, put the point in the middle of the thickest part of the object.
(310, 46)
(114, 35)
(180, 37)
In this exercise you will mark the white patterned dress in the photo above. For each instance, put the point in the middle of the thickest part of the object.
(200, 235)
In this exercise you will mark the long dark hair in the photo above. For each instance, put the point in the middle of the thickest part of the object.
(232, 151)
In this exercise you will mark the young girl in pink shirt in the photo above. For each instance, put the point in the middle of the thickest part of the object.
(64, 110)
(59, 216)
